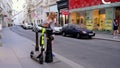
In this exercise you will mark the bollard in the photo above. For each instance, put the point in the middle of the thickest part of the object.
(37, 46)
(48, 56)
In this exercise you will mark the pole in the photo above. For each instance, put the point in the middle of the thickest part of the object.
(49, 57)
(37, 47)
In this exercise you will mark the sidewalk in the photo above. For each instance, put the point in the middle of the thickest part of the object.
(108, 37)
(15, 53)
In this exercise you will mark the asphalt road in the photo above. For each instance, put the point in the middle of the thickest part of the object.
(90, 53)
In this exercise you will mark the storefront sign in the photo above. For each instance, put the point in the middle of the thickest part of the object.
(89, 24)
(62, 4)
(87, 3)
(65, 12)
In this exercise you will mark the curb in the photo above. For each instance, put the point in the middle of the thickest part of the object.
(107, 39)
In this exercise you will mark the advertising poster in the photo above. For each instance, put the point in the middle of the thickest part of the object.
(108, 25)
(89, 24)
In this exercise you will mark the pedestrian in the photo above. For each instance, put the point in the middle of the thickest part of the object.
(51, 22)
(115, 28)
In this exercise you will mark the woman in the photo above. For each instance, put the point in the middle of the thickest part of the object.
(51, 23)
(115, 28)
(51, 20)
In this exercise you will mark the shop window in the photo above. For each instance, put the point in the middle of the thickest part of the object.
(74, 17)
(96, 19)
(78, 21)
(99, 18)
(77, 18)
(61, 20)
(88, 20)
(102, 21)
(102, 11)
(81, 20)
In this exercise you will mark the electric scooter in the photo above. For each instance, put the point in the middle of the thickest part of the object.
(38, 55)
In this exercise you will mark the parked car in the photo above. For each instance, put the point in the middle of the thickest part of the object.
(27, 26)
(57, 30)
(77, 31)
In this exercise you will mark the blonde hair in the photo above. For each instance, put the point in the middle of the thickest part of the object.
(52, 15)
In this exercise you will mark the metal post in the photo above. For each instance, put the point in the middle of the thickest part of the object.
(37, 47)
(49, 57)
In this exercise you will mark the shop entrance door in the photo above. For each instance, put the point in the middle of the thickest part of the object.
(99, 19)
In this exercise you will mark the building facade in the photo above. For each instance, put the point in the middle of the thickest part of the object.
(97, 15)
(48, 6)
(38, 10)
(19, 11)
(5, 12)
(63, 11)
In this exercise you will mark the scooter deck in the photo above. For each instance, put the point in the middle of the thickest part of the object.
(37, 57)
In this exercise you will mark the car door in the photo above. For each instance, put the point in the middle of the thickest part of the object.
(72, 30)
(67, 30)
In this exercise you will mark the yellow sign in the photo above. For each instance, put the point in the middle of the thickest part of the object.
(108, 25)
(89, 24)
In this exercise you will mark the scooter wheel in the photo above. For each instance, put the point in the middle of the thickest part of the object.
(31, 54)
(41, 60)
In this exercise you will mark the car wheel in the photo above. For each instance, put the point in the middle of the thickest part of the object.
(78, 35)
(90, 37)
(63, 34)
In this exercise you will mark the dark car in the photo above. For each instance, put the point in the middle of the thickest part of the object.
(77, 31)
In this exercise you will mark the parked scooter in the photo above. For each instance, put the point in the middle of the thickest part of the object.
(38, 55)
